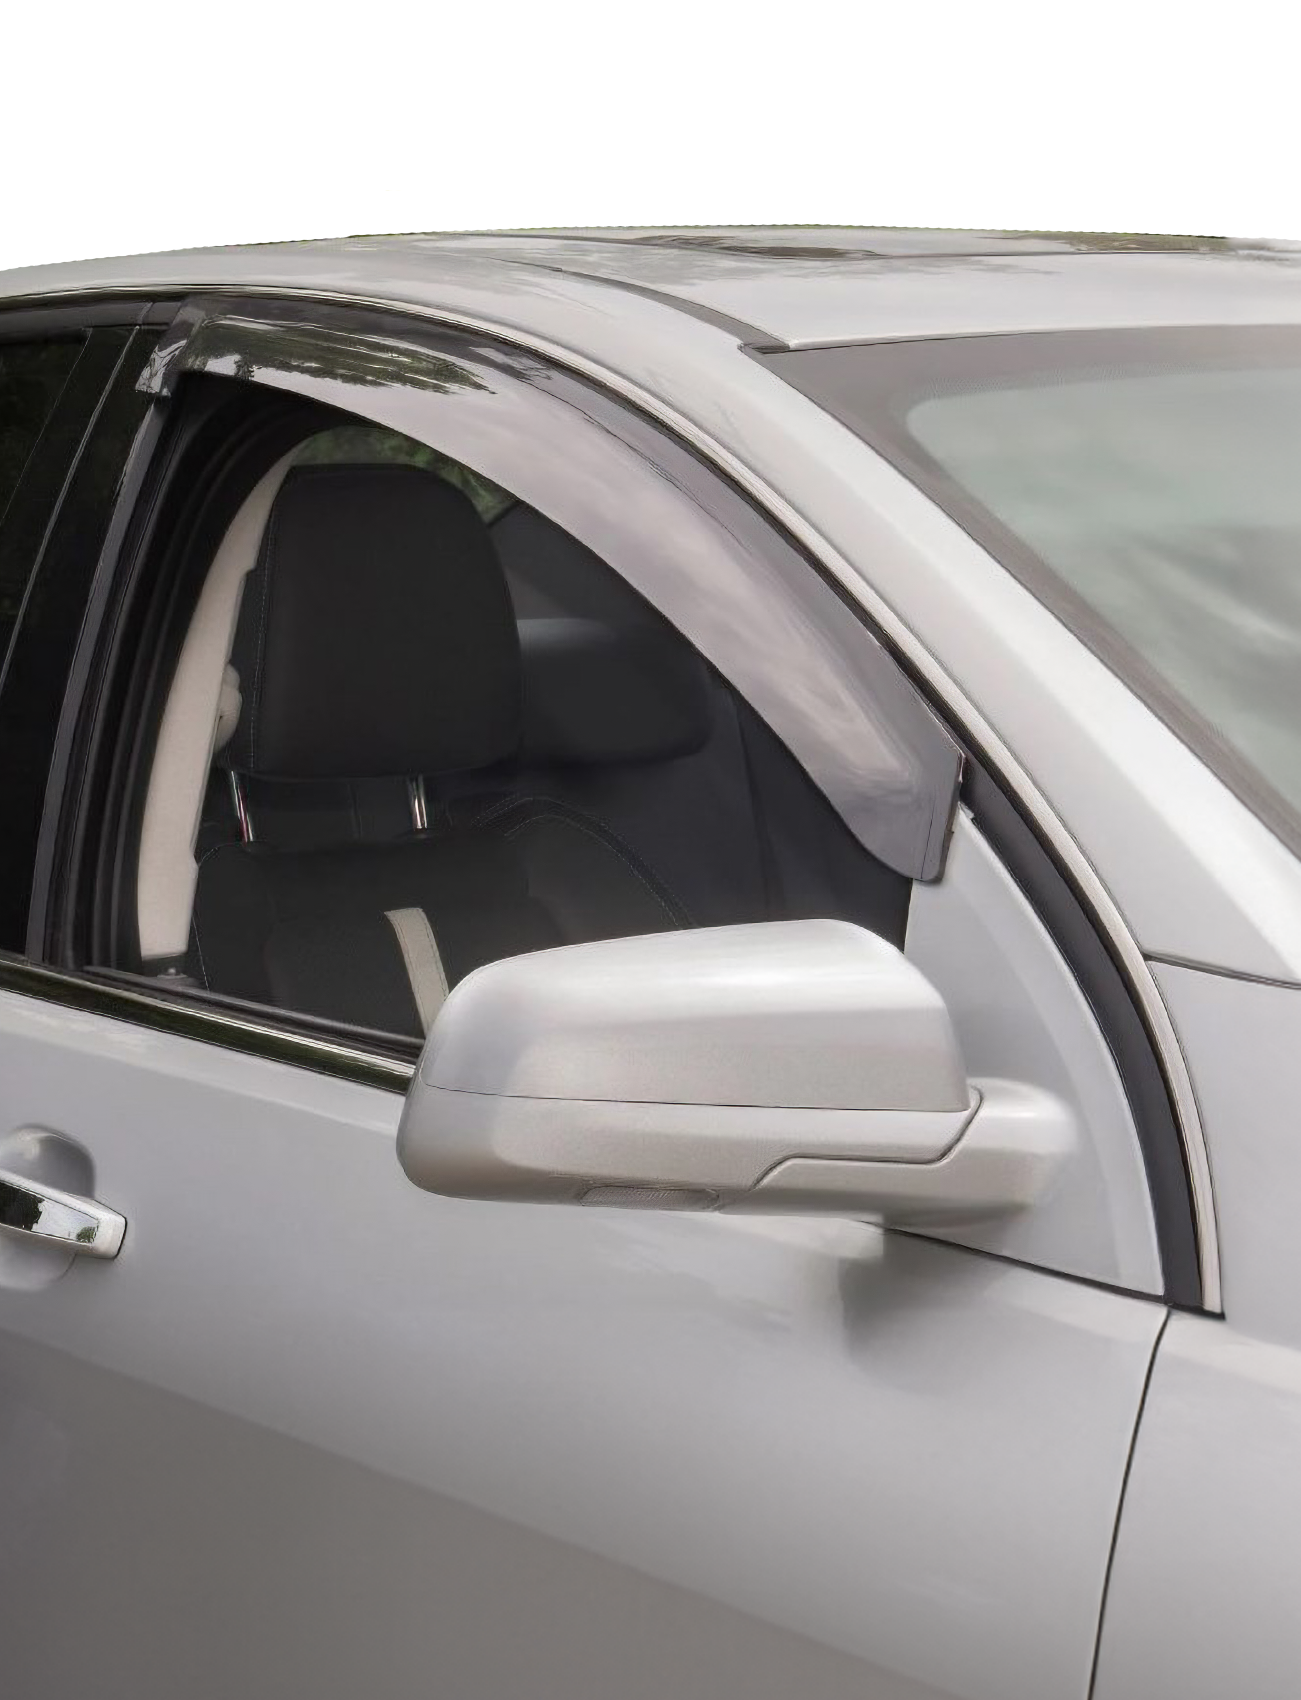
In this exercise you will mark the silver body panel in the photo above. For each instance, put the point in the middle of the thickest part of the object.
(804, 303)
(1204, 1583)
(1202, 1600)
(379, 1422)
(839, 296)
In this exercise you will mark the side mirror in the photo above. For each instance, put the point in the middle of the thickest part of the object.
(792, 1067)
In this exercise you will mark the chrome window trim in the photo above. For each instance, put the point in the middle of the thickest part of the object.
(188, 1019)
(905, 644)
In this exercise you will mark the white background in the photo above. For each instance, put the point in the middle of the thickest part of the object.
(139, 126)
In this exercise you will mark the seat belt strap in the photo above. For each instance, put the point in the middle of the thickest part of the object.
(424, 965)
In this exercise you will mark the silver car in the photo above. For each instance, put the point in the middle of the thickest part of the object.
(650, 969)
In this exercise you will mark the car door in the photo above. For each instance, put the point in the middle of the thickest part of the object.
(313, 1430)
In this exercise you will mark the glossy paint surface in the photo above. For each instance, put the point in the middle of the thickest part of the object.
(844, 295)
(1202, 1598)
(775, 1014)
(837, 294)
(901, 1459)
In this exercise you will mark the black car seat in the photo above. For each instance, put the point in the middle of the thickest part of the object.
(377, 641)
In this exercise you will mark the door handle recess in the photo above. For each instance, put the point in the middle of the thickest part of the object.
(43, 1215)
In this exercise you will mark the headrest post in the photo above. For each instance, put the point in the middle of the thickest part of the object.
(241, 806)
(418, 803)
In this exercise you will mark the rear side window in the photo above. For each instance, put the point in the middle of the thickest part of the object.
(49, 392)
(69, 412)
(31, 376)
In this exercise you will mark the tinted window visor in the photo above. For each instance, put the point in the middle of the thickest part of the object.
(1146, 485)
(749, 602)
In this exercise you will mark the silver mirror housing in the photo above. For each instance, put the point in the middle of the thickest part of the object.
(801, 1066)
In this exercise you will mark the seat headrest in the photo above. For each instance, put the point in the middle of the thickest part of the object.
(376, 636)
(594, 693)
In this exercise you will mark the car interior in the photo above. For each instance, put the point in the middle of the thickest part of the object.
(416, 726)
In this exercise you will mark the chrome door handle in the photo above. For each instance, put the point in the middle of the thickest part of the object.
(45, 1216)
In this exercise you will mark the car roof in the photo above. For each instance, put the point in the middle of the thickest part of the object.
(791, 286)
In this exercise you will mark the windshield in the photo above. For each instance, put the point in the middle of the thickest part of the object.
(1147, 485)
